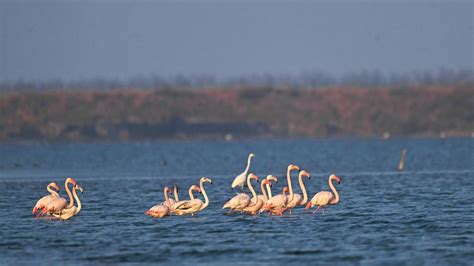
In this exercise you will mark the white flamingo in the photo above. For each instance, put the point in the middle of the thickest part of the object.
(195, 205)
(67, 213)
(240, 179)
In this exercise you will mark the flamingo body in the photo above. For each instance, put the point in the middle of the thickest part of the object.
(158, 211)
(41, 203)
(238, 202)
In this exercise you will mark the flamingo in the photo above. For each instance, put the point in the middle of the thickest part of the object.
(297, 199)
(324, 198)
(59, 203)
(240, 179)
(191, 197)
(241, 200)
(161, 210)
(277, 204)
(67, 213)
(268, 187)
(195, 205)
(41, 203)
(256, 203)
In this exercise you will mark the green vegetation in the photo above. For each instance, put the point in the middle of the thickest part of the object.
(65, 115)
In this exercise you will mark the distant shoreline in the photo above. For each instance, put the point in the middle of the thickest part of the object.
(235, 114)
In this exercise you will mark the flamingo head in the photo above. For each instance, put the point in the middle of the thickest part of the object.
(335, 177)
(205, 179)
(272, 178)
(71, 180)
(253, 176)
(77, 187)
(267, 182)
(293, 167)
(168, 190)
(305, 173)
(54, 185)
(285, 190)
(196, 188)
(308, 206)
(251, 155)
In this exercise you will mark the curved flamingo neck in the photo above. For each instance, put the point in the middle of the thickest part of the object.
(269, 191)
(167, 199)
(248, 164)
(190, 192)
(290, 187)
(249, 184)
(203, 191)
(53, 192)
(303, 188)
(264, 193)
(79, 205)
(334, 191)
(71, 199)
(176, 196)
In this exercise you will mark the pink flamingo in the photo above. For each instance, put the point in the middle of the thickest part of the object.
(297, 199)
(324, 198)
(161, 210)
(278, 203)
(59, 203)
(41, 203)
(255, 203)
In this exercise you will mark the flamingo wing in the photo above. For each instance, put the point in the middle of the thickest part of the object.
(239, 180)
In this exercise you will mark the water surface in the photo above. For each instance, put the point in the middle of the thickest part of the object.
(423, 215)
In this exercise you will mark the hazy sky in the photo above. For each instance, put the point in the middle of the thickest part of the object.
(42, 40)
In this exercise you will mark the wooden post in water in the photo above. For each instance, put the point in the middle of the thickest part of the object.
(401, 164)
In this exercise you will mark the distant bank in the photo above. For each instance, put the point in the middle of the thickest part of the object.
(127, 115)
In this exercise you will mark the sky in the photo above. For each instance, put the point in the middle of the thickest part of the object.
(76, 40)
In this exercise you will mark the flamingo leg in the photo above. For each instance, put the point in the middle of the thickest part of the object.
(317, 210)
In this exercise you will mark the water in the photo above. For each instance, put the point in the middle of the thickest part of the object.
(423, 215)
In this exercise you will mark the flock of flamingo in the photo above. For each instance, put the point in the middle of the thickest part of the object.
(55, 206)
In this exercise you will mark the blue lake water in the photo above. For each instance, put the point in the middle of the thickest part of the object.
(422, 215)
